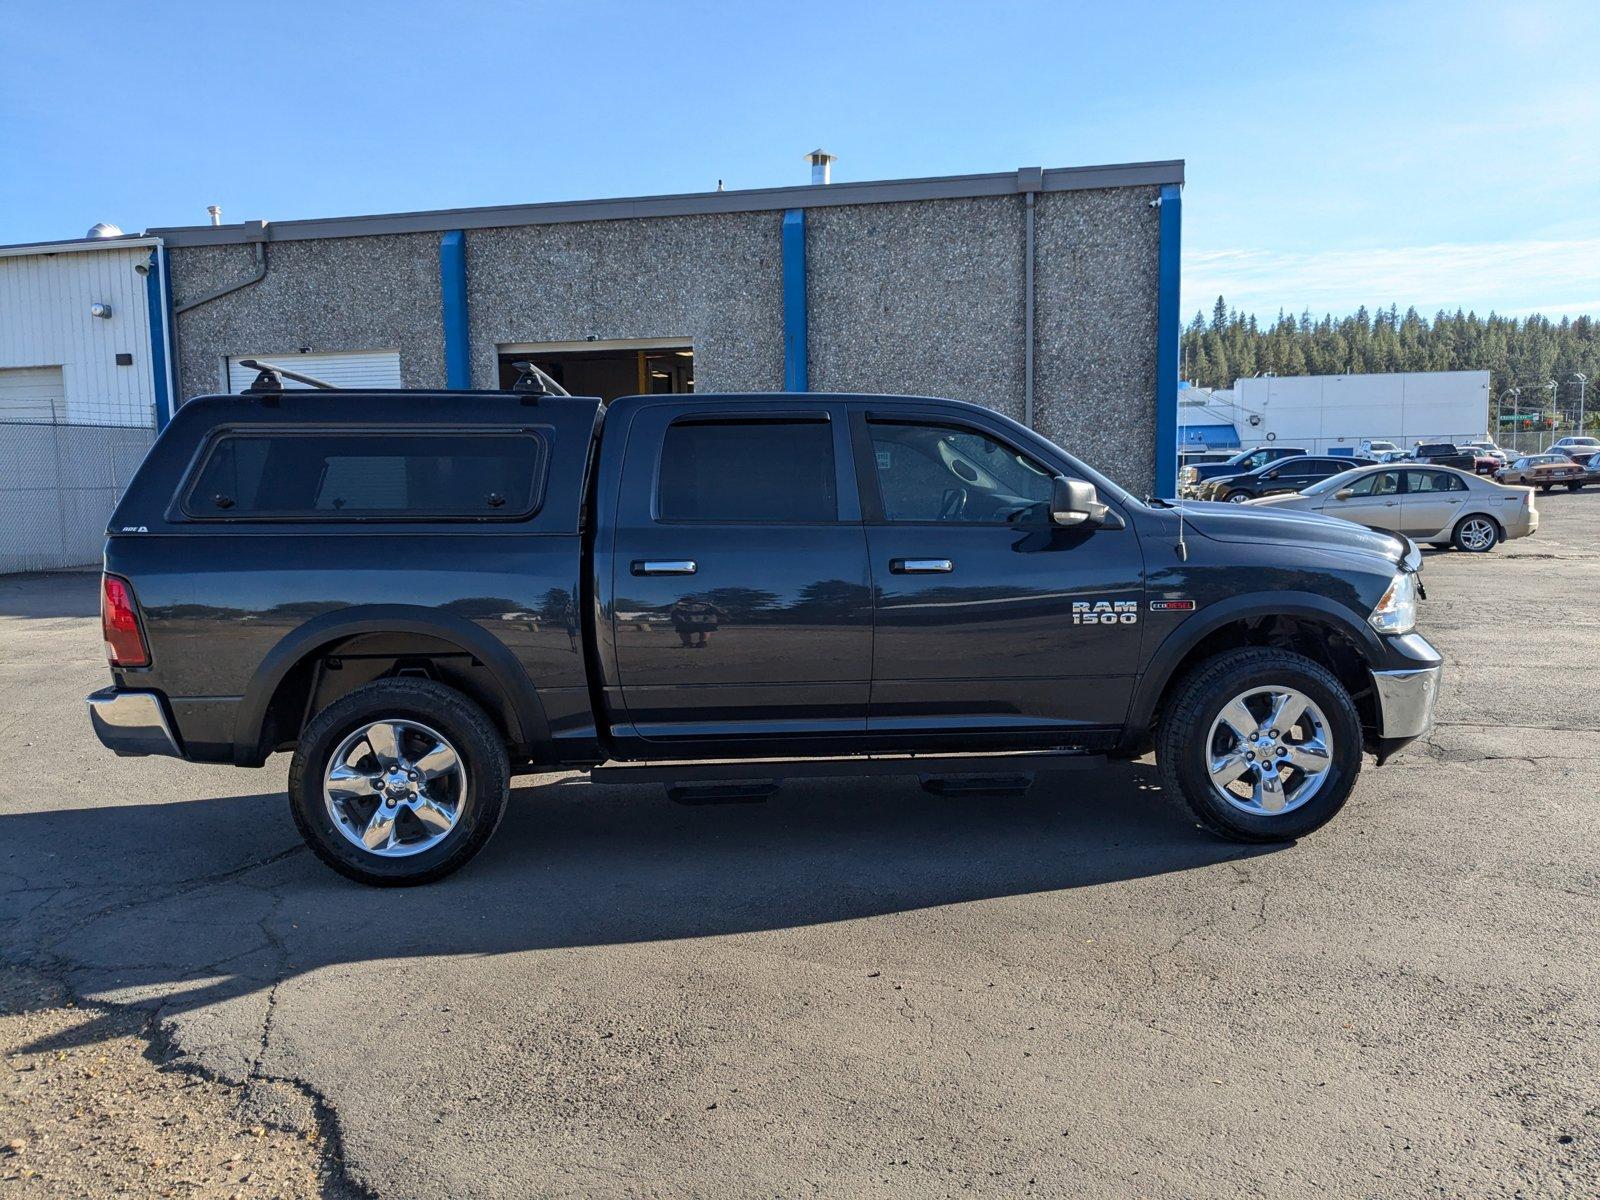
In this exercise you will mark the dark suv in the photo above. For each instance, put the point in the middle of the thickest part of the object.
(418, 594)
(1284, 475)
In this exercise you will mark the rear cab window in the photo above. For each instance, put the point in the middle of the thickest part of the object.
(288, 475)
(780, 471)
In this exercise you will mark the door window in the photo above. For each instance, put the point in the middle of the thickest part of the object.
(1380, 483)
(950, 473)
(1433, 482)
(748, 471)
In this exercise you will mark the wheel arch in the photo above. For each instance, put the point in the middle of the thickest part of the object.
(1316, 626)
(521, 712)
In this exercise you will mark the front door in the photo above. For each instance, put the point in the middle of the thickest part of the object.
(1374, 501)
(994, 626)
(741, 611)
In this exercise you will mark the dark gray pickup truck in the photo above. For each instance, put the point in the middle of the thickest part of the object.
(419, 594)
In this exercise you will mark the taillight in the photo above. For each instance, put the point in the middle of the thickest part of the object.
(119, 623)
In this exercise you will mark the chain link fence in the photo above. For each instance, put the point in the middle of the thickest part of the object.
(58, 485)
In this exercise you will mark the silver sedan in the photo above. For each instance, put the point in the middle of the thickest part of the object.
(1426, 504)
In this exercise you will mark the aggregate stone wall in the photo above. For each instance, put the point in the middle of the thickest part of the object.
(332, 294)
(716, 281)
(921, 297)
(928, 298)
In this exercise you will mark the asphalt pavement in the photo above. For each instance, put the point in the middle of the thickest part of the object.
(859, 989)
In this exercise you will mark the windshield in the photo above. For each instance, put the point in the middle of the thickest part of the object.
(1333, 483)
(1382, 446)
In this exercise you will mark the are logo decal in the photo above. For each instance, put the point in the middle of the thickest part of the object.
(1172, 606)
(1105, 612)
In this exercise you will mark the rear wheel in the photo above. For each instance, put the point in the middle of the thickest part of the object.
(1575, 485)
(1545, 487)
(1263, 745)
(1476, 534)
(400, 782)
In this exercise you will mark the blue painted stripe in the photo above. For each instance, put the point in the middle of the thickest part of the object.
(453, 298)
(156, 303)
(796, 374)
(1166, 482)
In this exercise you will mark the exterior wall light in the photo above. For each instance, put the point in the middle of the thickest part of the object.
(103, 311)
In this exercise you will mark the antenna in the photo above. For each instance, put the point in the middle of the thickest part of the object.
(270, 379)
(1183, 546)
(532, 381)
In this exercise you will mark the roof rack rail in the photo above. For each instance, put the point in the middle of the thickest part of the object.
(532, 381)
(270, 377)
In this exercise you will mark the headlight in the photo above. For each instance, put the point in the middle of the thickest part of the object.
(1189, 475)
(1397, 611)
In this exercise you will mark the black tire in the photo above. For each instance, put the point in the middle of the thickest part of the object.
(1237, 496)
(1575, 486)
(1545, 487)
(1497, 534)
(1196, 702)
(478, 745)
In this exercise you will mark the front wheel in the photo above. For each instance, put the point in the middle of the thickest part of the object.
(1263, 745)
(400, 782)
(1237, 497)
(1476, 535)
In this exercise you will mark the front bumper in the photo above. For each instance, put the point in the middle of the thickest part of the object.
(1405, 701)
(132, 724)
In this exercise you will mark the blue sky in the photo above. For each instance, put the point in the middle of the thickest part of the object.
(1429, 154)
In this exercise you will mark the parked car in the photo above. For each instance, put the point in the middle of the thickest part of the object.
(1285, 475)
(721, 578)
(1579, 449)
(1543, 471)
(1483, 463)
(1440, 505)
(1195, 457)
(1591, 470)
(1190, 478)
(1443, 454)
(1378, 450)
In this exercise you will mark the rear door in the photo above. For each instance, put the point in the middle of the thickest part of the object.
(994, 626)
(1431, 501)
(741, 610)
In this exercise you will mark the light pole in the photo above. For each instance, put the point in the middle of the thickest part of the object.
(1580, 378)
(1516, 403)
(1553, 387)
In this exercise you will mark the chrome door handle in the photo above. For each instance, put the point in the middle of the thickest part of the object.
(664, 566)
(1390, 503)
(921, 566)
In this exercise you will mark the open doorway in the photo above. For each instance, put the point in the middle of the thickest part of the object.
(607, 369)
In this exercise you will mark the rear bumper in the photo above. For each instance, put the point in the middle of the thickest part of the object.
(132, 724)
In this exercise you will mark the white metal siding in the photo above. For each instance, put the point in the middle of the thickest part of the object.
(45, 321)
(355, 369)
(33, 394)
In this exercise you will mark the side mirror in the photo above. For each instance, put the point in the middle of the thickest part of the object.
(1074, 502)
(1344, 493)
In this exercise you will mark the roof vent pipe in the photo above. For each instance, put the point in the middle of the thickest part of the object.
(216, 213)
(821, 166)
(104, 229)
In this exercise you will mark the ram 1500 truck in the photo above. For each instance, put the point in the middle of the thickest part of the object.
(420, 593)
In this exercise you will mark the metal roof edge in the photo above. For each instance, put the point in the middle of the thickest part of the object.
(889, 191)
(74, 245)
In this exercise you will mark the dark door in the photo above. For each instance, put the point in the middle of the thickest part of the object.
(993, 625)
(742, 609)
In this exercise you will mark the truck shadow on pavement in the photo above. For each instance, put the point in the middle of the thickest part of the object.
(192, 903)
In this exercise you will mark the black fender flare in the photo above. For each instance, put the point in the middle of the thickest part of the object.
(1172, 651)
(529, 727)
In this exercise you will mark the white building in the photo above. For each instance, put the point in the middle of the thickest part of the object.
(84, 384)
(1330, 413)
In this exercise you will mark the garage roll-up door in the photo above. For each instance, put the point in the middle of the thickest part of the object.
(33, 394)
(355, 369)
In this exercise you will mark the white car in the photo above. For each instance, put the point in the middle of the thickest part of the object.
(1379, 449)
(1426, 504)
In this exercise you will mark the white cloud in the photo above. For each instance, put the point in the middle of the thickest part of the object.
(1554, 277)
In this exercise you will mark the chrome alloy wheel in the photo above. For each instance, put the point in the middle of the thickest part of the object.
(1269, 751)
(395, 788)
(1478, 533)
